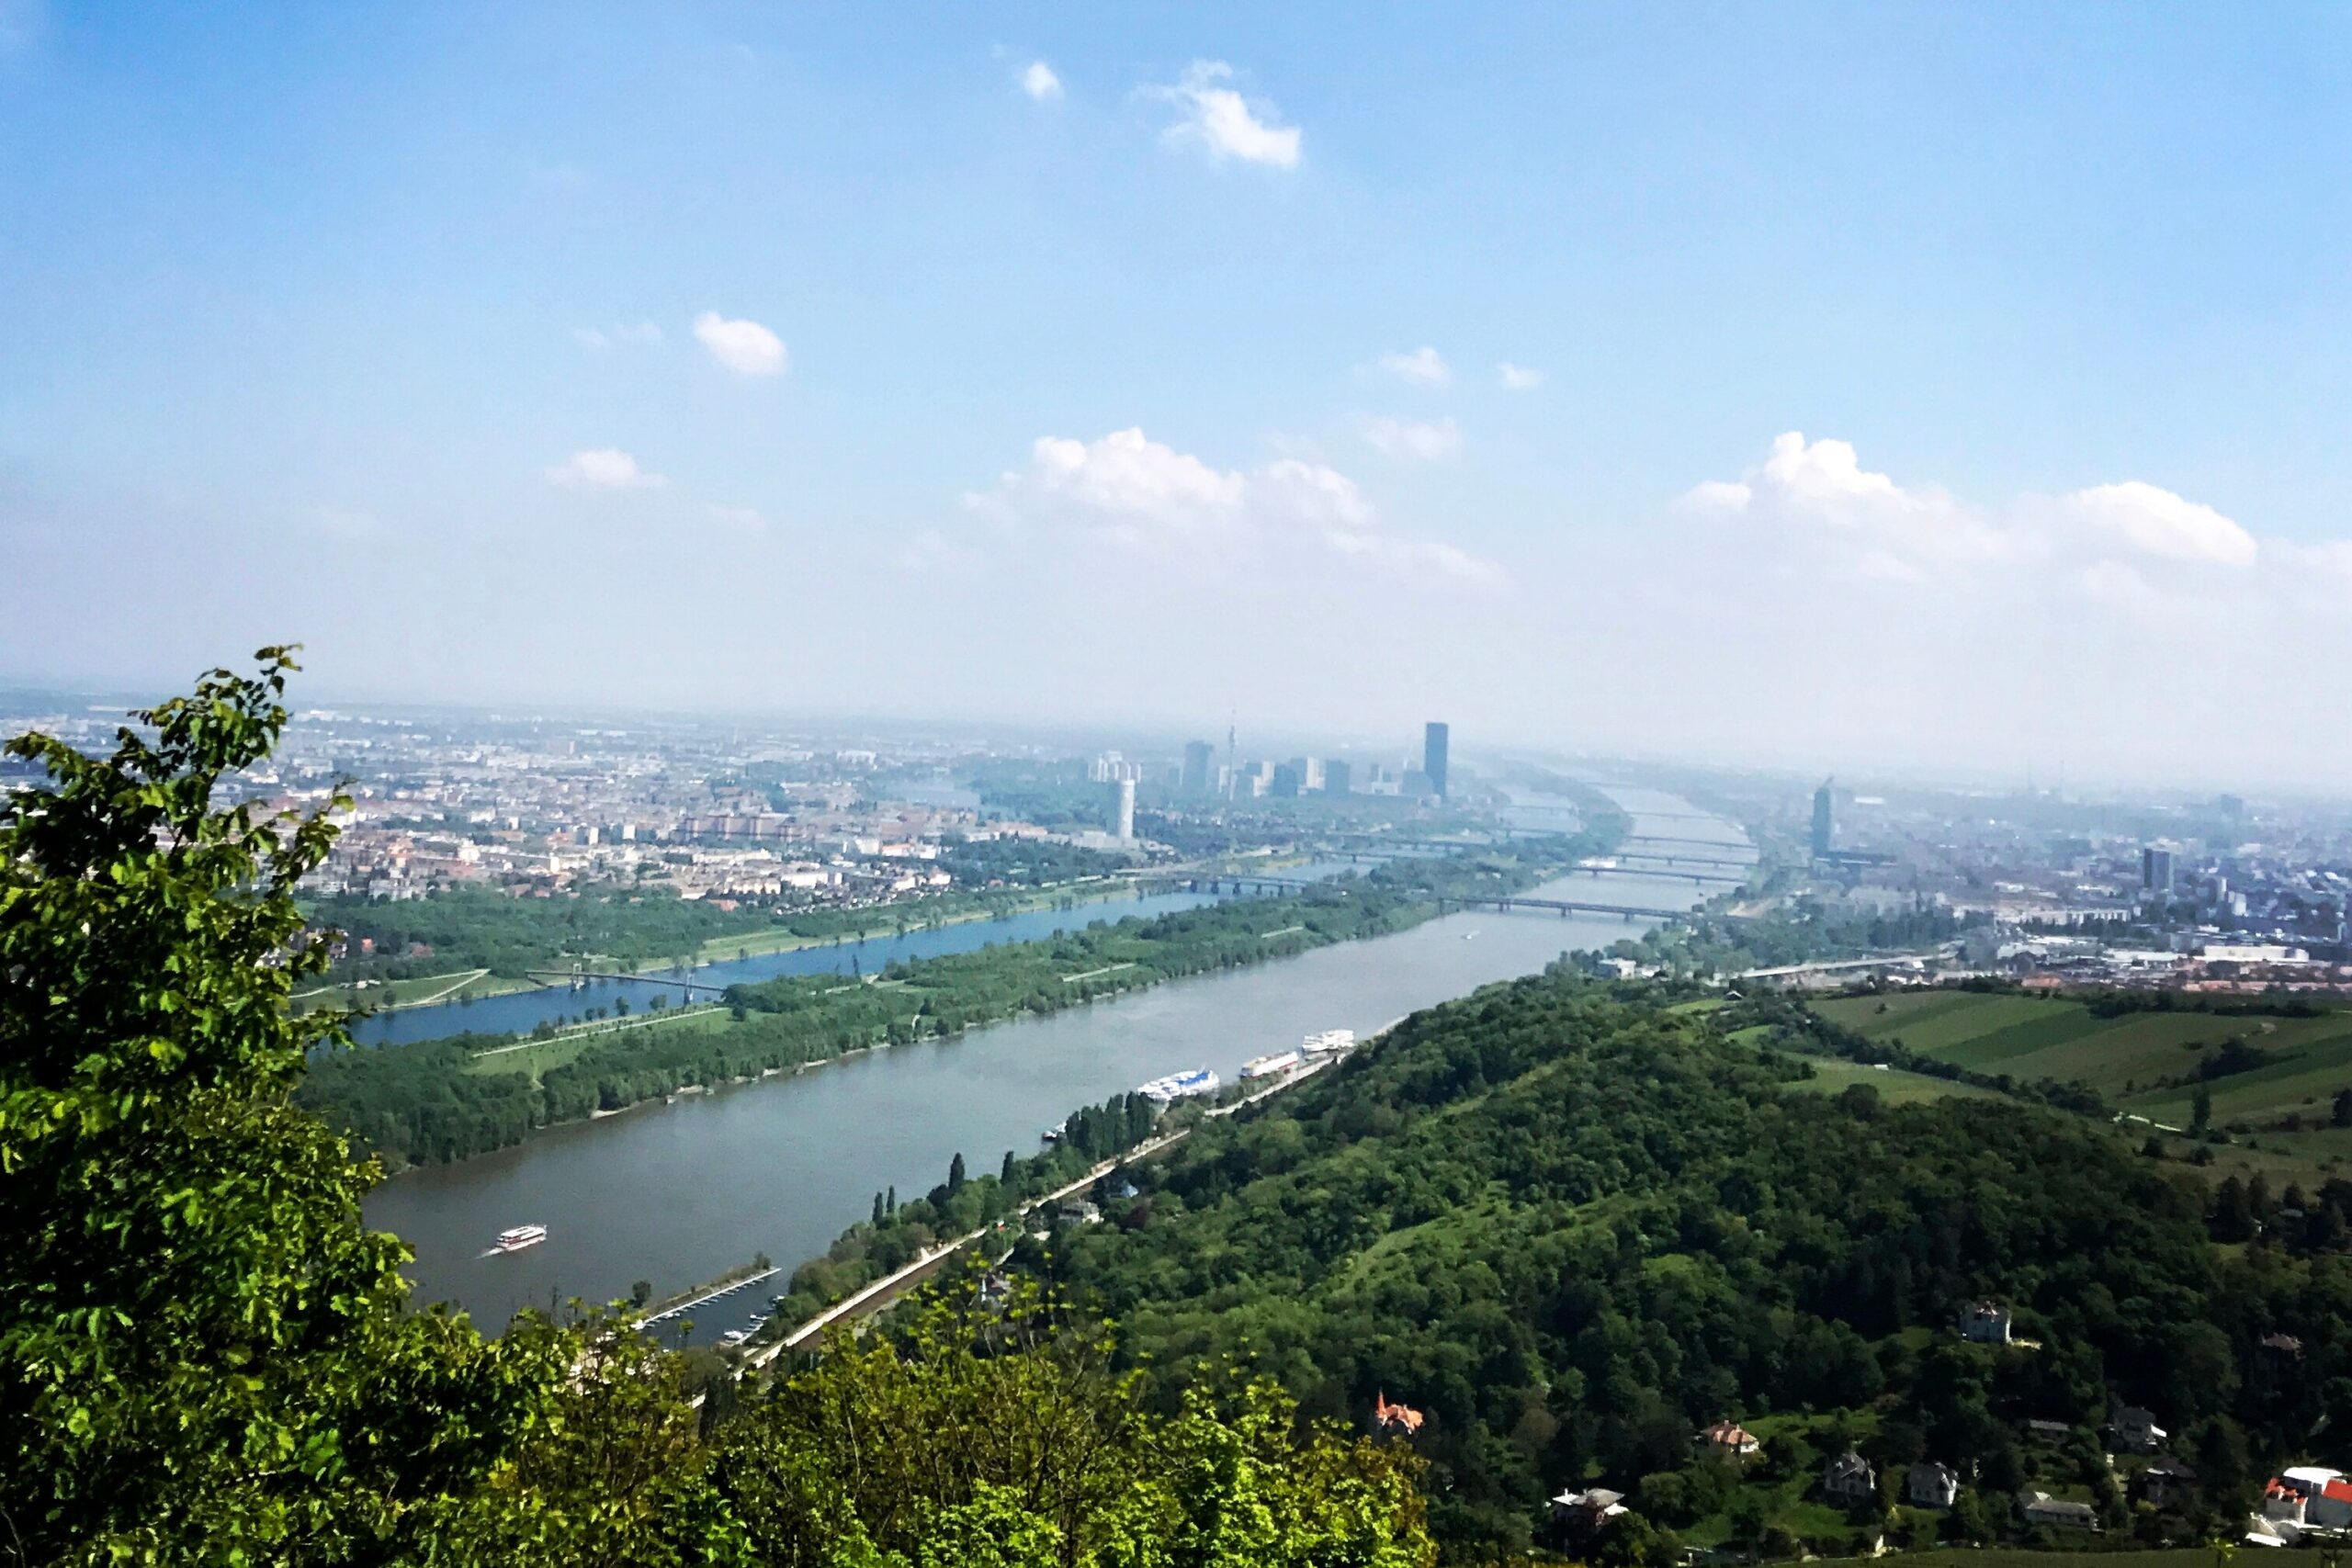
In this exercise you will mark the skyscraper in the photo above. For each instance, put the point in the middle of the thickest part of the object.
(1335, 778)
(1434, 740)
(2155, 870)
(1194, 779)
(1824, 820)
(1123, 808)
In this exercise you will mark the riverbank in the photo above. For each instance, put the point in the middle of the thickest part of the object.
(436, 1101)
(783, 1332)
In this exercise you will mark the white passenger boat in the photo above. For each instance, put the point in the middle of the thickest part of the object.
(1177, 1085)
(1267, 1066)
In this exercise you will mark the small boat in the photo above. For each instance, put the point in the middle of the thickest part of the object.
(1330, 1042)
(521, 1237)
(1469, 936)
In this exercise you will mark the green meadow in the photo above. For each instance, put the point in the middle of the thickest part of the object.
(2277, 1113)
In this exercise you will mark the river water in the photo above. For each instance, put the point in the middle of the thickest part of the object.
(519, 1013)
(677, 1194)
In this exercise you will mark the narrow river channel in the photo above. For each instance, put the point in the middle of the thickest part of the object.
(675, 1194)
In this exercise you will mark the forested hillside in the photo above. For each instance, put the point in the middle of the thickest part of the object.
(1573, 1226)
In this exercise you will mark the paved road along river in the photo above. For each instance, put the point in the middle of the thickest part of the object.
(679, 1193)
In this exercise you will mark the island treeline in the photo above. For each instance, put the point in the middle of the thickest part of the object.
(445, 1100)
(1573, 1225)
(649, 926)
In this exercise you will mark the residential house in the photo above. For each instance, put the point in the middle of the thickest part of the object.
(2136, 1429)
(1399, 1418)
(2283, 1503)
(1580, 1516)
(2041, 1508)
(1731, 1438)
(2166, 1482)
(1849, 1478)
(1932, 1485)
(1987, 1323)
(2053, 1433)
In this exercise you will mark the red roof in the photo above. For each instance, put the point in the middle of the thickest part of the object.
(2337, 1491)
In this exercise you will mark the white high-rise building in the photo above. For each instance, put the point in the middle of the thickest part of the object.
(1123, 809)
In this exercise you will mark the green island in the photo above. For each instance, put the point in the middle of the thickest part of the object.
(503, 940)
(449, 1099)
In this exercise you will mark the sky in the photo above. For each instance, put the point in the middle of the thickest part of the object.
(1957, 387)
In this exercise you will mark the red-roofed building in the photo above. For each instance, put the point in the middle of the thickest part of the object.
(1730, 1438)
(1387, 1418)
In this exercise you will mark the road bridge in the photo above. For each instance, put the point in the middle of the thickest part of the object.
(1694, 843)
(1563, 908)
(1664, 874)
(580, 977)
(1677, 857)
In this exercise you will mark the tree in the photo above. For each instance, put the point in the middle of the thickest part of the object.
(640, 1292)
(203, 1356)
(2342, 1115)
(2200, 1110)
(955, 1175)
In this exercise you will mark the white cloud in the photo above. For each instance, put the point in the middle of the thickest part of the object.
(1218, 120)
(1037, 80)
(602, 468)
(2121, 587)
(1816, 496)
(933, 550)
(742, 345)
(1424, 366)
(1421, 441)
(2162, 524)
(1136, 494)
(640, 332)
(1519, 378)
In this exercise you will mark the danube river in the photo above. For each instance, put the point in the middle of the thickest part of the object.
(675, 1194)
(519, 1013)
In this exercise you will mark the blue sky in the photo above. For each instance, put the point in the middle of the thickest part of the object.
(307, 315)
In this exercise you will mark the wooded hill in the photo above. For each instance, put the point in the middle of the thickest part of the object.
(1574, 1225)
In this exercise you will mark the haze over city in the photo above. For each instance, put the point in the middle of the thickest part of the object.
(1807, 386)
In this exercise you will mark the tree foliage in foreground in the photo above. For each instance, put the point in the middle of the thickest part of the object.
(202, 1355)
(204, 1358)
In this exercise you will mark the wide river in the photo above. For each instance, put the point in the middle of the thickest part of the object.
(677, 1194)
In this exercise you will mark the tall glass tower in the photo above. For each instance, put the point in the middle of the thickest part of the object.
(1433, 744)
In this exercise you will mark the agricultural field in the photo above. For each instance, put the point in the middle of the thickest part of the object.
(2278, 1112)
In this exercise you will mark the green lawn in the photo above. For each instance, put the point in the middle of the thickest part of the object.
(537, 1056)
(1896, 1088)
